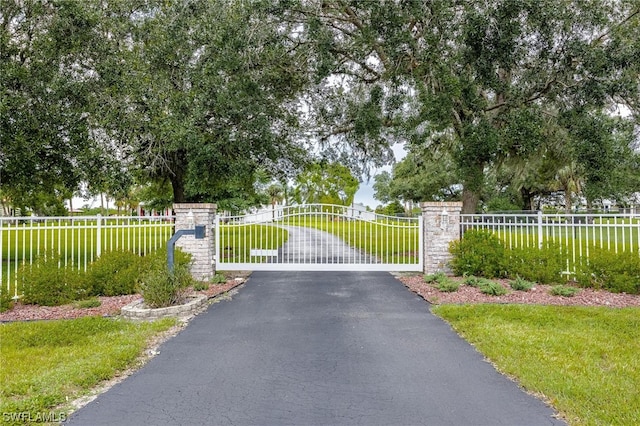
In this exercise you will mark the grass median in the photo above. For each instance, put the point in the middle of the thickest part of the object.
(584, 360)
(45, 364)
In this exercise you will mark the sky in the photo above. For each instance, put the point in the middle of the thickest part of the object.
(365, 192)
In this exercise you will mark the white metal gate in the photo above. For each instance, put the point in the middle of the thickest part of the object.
(318, 237)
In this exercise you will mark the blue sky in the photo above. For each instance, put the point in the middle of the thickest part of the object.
(365, 195)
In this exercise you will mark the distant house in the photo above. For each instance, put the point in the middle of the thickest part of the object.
(263, 214)
(359, 211)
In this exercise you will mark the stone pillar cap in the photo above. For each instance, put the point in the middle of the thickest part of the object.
(195, 206)
(441, 204)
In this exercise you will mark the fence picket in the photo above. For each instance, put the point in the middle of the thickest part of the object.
(77, 241)
(576, 234)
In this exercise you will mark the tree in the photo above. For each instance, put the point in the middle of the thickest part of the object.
(602, 151)
(569, 180)
(394, 208)
(45, 100)
(324, 183)
(425, 176)
(489, 77)
(155, 195)
(382, 187)
(276, 194)
(206, 92)
(199, 94)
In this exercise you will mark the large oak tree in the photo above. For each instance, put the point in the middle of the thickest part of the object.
(493, 80)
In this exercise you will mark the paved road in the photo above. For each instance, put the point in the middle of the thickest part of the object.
(317, 348)
(308, 245)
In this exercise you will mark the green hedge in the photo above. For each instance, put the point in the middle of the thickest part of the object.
(49, 282)
(481, 253)
(115, 273)
(478, 253)
(615, 272)
(544, 265)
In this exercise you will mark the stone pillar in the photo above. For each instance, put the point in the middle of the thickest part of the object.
(202, 250)
(441, 221)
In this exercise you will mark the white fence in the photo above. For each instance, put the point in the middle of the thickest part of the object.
(77, 240)
(576, 234)
(80, 240)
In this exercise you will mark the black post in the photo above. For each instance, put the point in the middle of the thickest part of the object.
(199, 233)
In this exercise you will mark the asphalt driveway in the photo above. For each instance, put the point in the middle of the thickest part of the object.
(317, 348)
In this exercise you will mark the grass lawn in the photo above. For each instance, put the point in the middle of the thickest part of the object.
(391, 241)
(236, 241)
(44, 364)
(584, 360)
(77, 245)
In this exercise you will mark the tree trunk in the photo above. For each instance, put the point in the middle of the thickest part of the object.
(567, 201)
(470, 200)
(177, 175)
(527, 198)
(177, 184)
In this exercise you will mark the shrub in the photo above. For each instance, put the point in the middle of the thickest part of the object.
(543, 265)
(484, 282)
(201, 286)
(88, 303)
(564, 290)
(218, 279)
(161, 288)
(115, 273)
(492, 288)
(6, 302)
(520, 284)
(434, 278)
(478, 253)
(159, 257)
(615, 272)
(472, 281)
(47, 281)
(442, 282)
(448, 285)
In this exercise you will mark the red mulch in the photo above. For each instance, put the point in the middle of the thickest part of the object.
(109, 306)
(539, 295)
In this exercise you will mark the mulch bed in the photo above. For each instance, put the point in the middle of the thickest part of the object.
(539, 295)
(109, 306)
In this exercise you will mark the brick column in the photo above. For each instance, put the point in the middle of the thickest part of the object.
(202, 250)
(441, 221)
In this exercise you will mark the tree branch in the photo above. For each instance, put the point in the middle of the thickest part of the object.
(606, 33)
(360, 26)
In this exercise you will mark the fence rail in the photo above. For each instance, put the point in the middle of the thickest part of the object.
(78, 240)
(575, 234)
